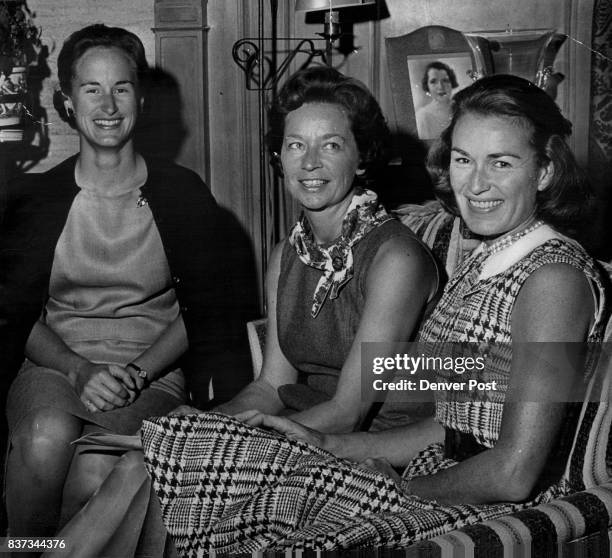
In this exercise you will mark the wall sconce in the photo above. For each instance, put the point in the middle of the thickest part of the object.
(331, 26)
(263, 67)
(263, 71)
(312, 5)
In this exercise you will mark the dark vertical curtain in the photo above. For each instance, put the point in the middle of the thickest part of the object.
(600, 129)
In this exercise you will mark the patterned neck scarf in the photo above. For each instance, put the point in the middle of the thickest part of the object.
(336, 259)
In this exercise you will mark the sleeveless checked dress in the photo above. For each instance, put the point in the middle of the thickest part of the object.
(225, 487)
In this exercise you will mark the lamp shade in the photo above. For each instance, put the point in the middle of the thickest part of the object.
(313, 5)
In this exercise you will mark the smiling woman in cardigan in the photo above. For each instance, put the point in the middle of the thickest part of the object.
(105, 285)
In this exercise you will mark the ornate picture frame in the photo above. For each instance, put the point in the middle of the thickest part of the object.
(408, 56)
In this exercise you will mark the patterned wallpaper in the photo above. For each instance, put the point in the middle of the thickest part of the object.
(601, 78)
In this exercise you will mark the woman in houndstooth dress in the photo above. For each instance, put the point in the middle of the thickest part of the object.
(257, 481)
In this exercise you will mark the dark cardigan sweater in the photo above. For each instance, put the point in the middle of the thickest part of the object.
(33, 215)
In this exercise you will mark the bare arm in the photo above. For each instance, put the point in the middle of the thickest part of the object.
(106, 386)
(397, 445)
(261, 394)
(554, 305)
(166, 349)
(399, 282)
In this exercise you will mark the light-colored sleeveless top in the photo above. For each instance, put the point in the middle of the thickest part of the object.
(110, 292)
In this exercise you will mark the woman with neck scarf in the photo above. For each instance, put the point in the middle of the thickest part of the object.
(348, 272)
(523, 301)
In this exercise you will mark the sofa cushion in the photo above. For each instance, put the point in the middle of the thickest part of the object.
(441, 231)
(541, 530)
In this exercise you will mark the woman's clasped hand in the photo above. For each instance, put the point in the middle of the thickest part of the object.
(106, 387)
(295, 461)
(100, 258)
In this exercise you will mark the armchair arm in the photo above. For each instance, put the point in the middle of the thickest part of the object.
(543, 529)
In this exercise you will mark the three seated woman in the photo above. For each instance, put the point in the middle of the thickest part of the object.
(349, 273)
(119, 308)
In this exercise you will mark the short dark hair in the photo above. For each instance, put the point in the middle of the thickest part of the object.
(437, 65)
(565, 202)
(322, 84)
(99, 35)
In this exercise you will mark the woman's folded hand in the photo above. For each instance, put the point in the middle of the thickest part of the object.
(381, 465)
(99, 389)
(182, 410)
(132, 384)
(284, 425)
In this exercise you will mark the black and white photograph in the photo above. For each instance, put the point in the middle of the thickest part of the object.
(434, 82)
(305, 277)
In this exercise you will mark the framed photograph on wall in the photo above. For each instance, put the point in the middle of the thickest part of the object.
(426, 68)
(433, 82)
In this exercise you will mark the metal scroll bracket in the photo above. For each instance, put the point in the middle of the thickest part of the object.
(263, 70)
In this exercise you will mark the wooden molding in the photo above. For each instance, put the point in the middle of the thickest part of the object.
(180, 13)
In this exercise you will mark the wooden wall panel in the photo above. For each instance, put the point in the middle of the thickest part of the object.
(181, 53)
(180, 50)
(577, 63)
(233, 121)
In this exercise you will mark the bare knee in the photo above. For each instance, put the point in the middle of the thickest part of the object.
(43, 438)
(131, 465)
(89, 471)
(129, 470)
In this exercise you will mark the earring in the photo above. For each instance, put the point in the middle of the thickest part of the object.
(68, 108)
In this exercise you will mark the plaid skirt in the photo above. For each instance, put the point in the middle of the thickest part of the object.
(226, 487)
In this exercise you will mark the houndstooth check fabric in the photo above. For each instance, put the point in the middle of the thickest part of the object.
(480, 312)
(225, 487)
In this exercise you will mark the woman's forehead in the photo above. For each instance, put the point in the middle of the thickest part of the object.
(486, 120)
(437, 72)
(101, 58)
(319, 114)
(490, 131)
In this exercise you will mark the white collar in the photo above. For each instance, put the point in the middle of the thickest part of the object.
(502, 260)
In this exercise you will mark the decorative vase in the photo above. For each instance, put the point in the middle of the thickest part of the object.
(528, 53)
(13, 89)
